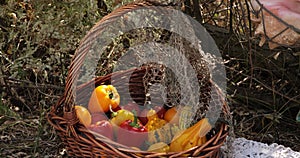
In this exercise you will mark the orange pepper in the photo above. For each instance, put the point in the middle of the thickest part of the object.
(102, 98)
(172, 116)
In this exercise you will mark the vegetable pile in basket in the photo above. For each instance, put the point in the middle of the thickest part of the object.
(151, 128)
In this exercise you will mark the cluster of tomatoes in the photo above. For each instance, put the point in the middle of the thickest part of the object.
(126, 124)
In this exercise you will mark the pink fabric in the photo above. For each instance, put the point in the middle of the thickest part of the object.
(288, 11)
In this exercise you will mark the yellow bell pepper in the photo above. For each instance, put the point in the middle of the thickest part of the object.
(102, 98)
(120, 116)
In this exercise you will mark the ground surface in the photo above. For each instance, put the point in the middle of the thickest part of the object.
(37, 41)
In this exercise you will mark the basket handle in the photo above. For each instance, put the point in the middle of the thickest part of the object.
(88, 40)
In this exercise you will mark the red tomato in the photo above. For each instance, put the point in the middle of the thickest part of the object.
(102, 127)
(160, 111)
(143, 116)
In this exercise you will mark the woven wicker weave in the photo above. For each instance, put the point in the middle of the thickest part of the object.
(80, 142)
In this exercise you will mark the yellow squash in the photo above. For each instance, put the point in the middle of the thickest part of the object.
(191, 137)
(163, 134)
(159, 130)
(154, 122)
(159, 147)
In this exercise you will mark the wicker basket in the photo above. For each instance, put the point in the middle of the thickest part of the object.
(80, 142)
